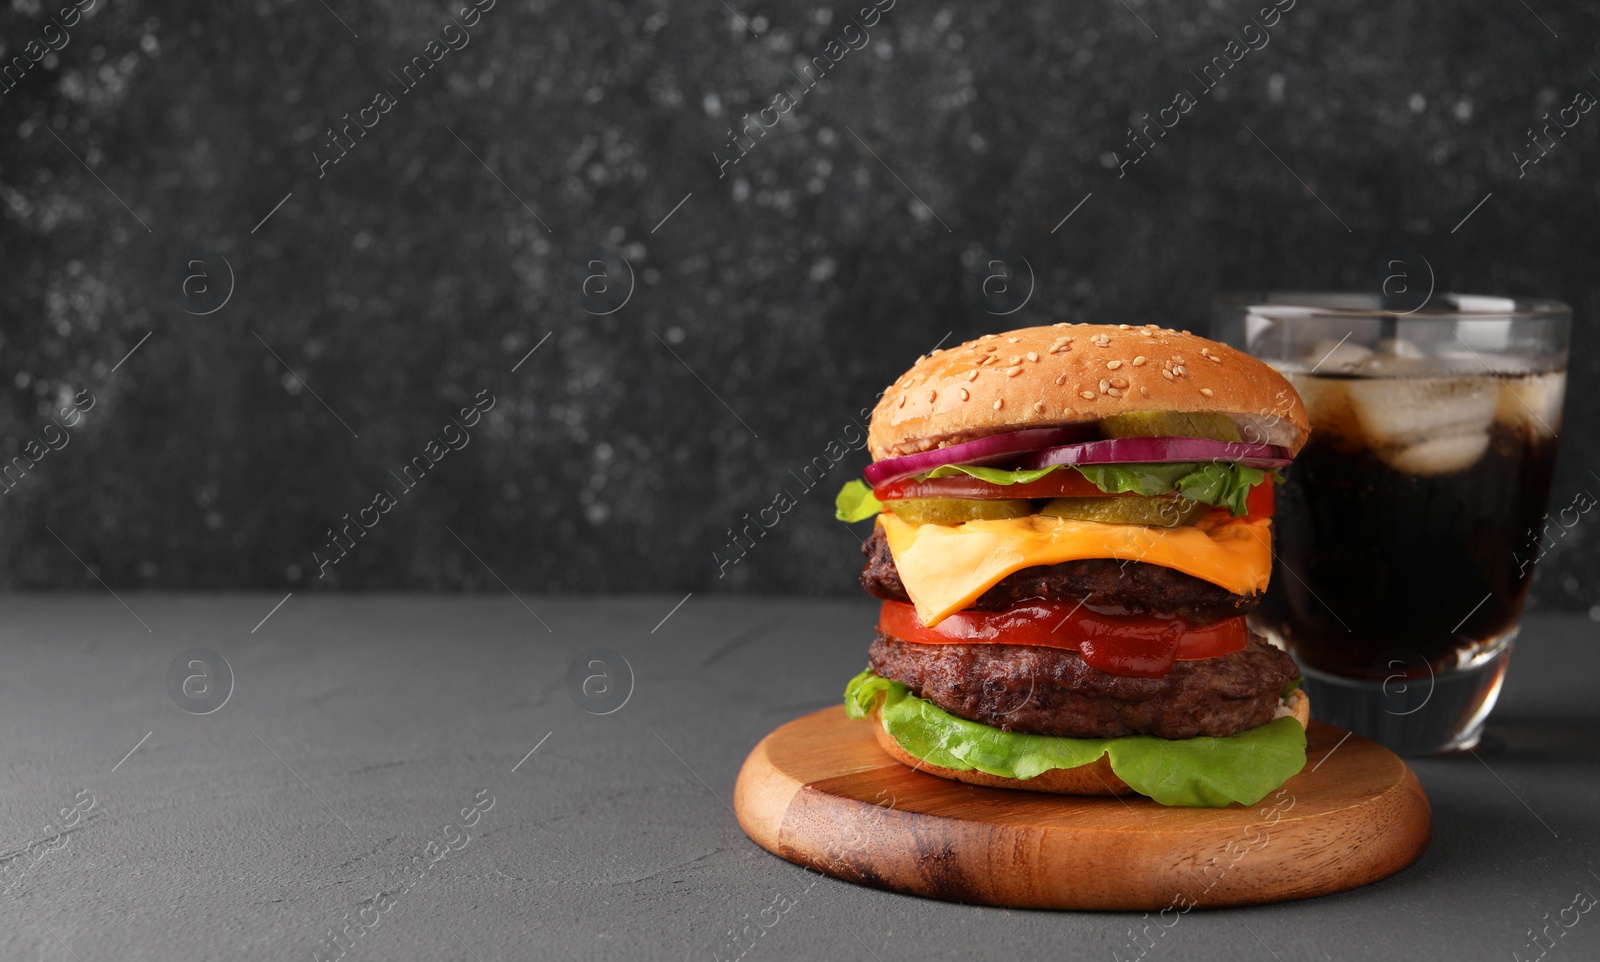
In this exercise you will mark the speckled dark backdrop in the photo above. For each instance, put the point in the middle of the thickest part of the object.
(147, 157)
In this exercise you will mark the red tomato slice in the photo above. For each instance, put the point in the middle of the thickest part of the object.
(1144, 646)
(1263, 499)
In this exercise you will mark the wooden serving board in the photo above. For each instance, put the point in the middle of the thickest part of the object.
(820, 792)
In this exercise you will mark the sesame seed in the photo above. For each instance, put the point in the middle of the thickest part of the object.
(1012, 340)
(1123, 327)
(1101, 340)
(990, 349)
(1015, 359)
(972, 375)
(1033, 356)
(1113, 365)
(964, 394)
(1114, 392)
(1144, 392)
(902, 401)
(1206, 391)
(1138, 361)
(932, 395)
(1177, 358)
(1062, 324)
(1086, 395)
(1062, 379)
(999, 403)
(1038, 407)
(1119, 382)
(1105, 385)
(1214, 358)
(1166, 374)
(1013, 371)
(1179, 370)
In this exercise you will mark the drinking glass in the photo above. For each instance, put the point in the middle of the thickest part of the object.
(1407, 530)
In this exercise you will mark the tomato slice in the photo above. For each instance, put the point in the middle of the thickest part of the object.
(1262, 500)
(1143, 646)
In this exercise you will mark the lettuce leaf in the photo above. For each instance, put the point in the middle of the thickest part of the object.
(991, 475)
(1194, 772)
(855, 502)
(1222, 485)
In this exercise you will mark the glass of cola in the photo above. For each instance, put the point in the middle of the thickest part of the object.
(1407, 530)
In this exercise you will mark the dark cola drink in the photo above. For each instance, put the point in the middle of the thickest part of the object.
(1406, 537)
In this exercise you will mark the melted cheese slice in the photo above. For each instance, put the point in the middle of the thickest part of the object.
(946, 567)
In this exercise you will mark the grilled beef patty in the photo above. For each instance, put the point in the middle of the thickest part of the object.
(1052, 691)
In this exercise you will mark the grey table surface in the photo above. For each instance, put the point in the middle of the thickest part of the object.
(360, 727)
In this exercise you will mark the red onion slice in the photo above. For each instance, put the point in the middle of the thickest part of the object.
(995, 447)
(1157, 450)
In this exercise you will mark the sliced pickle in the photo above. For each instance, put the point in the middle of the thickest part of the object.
(1171, 424)
(1128, 509)
(956, 510)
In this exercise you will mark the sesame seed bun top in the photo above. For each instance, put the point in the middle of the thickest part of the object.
(1038, 377)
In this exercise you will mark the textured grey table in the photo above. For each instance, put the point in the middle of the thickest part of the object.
(360, 726)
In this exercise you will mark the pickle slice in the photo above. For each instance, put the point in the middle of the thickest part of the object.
(956, 510)
(1171, 424)
(1128, 509)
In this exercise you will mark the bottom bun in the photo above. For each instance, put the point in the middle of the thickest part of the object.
(1095, 778)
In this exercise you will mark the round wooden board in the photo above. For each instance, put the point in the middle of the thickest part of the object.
(821, 793)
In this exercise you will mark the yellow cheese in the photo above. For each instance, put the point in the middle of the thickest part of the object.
(946, 567)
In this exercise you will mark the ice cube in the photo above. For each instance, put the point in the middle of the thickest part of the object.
(1396, 365)
(1532, 402)
(1426, 425)
(1400, 347)
(1335, 356)
(1437, 455)
(1328, 408)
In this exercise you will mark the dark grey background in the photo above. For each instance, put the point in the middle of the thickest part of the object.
(457, 233)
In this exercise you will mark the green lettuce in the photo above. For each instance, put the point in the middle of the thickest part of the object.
(1222, 485)
(991, 475)
(1194, 772)
(855, 502)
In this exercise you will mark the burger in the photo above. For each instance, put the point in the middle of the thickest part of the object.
(1070, 524)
